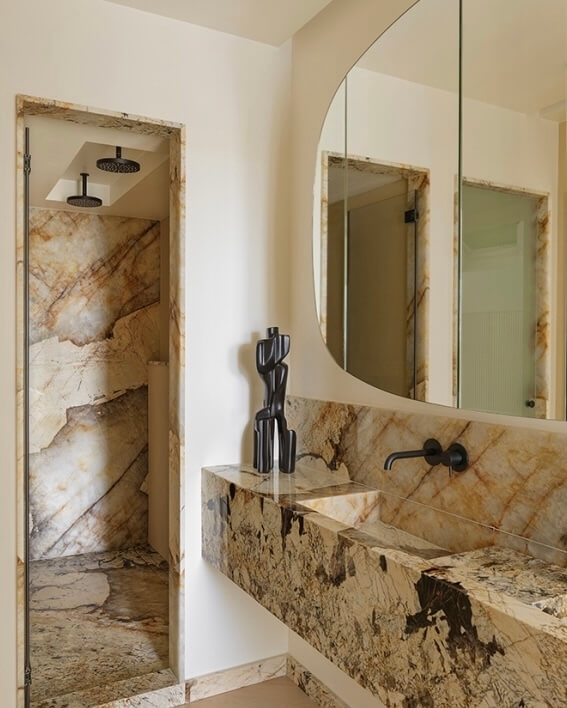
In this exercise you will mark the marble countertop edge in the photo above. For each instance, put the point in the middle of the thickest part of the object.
(449, 568)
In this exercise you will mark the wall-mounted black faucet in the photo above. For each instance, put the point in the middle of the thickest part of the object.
(455, 457)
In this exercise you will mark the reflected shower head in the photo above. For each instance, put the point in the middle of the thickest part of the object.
(118, 163)
(84, 200)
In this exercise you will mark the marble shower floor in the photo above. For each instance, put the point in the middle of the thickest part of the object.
(97, 618)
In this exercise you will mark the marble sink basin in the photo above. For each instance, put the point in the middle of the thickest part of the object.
(350, 509)
(385, 520)
(367, 512)
(541, 586)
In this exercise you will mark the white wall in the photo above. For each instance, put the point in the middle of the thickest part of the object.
(233, 96)
(394, 120)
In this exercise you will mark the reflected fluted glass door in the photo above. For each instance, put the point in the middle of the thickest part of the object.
(498, 305)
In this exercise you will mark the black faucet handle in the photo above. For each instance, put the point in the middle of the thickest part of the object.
(433, 451)
(456, 458)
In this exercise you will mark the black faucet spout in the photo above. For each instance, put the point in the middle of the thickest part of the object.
(455, 456)
(431, 451)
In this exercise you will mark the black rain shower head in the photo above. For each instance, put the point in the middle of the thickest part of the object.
(84, 200)
(118, 163)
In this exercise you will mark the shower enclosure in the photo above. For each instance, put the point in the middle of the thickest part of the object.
(101, 614)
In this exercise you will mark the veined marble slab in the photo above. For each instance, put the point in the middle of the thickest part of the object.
(351, 508)
(64, 376)
(414, 631)
(85, 487)
(307, 478)
(515, 486)
(87, 271)
(94, 307)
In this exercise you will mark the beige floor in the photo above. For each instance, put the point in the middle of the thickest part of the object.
(277, 693)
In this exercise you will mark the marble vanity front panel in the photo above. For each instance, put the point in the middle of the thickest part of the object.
(515, 489)
(94, 305)
(454, 631)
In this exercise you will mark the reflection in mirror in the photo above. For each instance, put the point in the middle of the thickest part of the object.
(512, 245)
(435, 280)
(379, 218)
(500, 310)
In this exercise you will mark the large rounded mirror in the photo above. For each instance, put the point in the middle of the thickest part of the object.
(439, 208)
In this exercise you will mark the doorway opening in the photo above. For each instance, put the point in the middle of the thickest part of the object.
(504, 301)
(100, 403)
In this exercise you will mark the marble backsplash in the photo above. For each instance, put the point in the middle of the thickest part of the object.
(515, 489)
(94, 325)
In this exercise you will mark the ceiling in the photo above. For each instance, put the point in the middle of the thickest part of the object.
(61, 150)
(514, 51)
(268, 21)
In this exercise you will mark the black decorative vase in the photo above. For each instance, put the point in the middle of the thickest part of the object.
(270, 353)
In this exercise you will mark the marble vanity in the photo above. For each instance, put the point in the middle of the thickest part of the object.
(415, 623)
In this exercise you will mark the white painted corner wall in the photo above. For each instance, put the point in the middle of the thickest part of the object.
(233, 95)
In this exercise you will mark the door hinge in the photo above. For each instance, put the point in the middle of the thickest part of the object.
(27, 164)
(28, 676)
(411, 216)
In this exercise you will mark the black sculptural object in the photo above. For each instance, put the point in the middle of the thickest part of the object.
(270, 353)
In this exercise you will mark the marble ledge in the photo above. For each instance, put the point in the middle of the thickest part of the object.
(231, 679)
(483, 627)
(155, 690)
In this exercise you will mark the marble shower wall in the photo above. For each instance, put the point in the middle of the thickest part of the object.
(94, 325)
(515, 489)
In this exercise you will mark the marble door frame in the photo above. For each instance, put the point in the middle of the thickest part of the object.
(175, 132)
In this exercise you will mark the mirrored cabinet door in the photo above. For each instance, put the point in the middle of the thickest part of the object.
(512, 240)
(439, 208)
